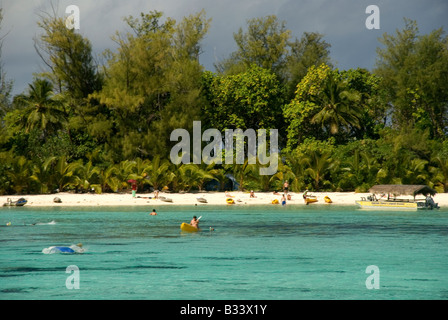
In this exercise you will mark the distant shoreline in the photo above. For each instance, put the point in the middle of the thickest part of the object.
(213, 198)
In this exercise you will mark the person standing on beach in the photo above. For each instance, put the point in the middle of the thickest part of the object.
(285, 187)
(134, 189)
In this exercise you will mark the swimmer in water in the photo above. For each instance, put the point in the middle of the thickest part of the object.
(61, 249)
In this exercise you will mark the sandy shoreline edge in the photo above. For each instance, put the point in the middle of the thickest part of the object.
(213, 198)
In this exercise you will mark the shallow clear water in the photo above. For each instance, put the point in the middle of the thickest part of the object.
(263, 252)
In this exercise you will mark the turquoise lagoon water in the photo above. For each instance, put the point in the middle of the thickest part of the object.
(255, 253)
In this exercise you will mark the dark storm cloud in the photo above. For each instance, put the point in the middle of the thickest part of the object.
(342, 22)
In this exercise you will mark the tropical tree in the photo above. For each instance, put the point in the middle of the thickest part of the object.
(358, 171)
(107, 179)
(242, 172)
(68, 57)
(63, 173)
(123, 172)
(42, 171)
(19, 175)
(317, 167)
(152, 83)
(193, 176)
(264, 43)
(87, 177)
(339, 106)
(310, 50)
(158, 173)
(414, 69)
(248, 100)
(40, 109)
(439, 171)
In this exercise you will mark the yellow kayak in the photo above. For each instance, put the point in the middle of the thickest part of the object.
(188, 227)
(230, 201)
(310, 200)
(327, 199)
(275, 201)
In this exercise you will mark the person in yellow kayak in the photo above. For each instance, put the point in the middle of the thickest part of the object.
(195, 222)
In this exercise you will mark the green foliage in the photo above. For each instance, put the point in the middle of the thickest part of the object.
(84, 128)
(414, 69)
(252, 99)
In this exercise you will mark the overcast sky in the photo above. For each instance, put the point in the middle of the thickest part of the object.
(341, 21)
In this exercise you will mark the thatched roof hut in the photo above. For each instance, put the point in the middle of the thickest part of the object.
(402, 189)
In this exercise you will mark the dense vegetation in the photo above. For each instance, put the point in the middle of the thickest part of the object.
(84, 126)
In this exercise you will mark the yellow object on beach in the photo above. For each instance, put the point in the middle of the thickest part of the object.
(188, 227)
(230, 201)
(310, 200)
(275, 201)
(327, 199)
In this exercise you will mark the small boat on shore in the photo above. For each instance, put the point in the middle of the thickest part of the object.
(164, 199)
(18, 203)
(230, 201)
(327, 199)
(309, 198)
(201, 200)
(388, 198)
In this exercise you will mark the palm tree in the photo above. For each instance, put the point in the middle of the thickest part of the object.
(284, 173)
(124, 172)
(85, 176)
(242, 172)
(415, 172)
(340, 107)
(440, 172)
(19, 174)
(318, 165)
(208, 173)
(42, 173)
(158, 174)
(42, 108)
(107, 179)
(296, 171)
(63, 173)
(221, 176)
(192, 175)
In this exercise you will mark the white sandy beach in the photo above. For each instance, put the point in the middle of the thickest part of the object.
(213, 198)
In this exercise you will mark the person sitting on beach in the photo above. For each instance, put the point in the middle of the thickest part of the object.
(288, 196)
(276, 193)
(228, 195)
(153, 213)
(156, 194)
(195, 222)
(252, 194)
